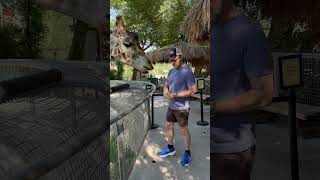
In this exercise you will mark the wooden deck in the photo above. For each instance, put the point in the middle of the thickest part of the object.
(308, 117)
(304, 112)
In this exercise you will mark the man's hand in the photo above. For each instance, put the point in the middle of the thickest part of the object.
(172, 95)
(190, 92)
(166, 90)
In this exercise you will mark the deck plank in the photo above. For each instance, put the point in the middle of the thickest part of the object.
(303, 110)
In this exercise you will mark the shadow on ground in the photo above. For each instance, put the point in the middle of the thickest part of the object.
(150, 167)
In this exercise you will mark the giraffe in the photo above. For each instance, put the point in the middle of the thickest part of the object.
(124, 45)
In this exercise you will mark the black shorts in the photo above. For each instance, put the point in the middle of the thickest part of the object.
(180, 116)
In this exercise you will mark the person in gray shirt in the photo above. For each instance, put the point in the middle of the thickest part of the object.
(241, 81)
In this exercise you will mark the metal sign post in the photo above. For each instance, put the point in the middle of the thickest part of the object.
(200, 87)
(290, 77)
(153, 126)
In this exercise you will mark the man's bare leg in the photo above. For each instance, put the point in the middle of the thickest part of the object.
(186, 137)
(170, 132)
(169, 151)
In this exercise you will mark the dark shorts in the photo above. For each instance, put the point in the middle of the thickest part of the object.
(180, 116)
(233, 166)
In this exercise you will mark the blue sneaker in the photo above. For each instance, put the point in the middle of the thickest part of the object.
(185, 160)
(167, 152)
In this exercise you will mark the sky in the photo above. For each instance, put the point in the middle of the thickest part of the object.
(113, 14)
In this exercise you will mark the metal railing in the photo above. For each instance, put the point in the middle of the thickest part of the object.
(129, 125)
(58, 131)
(309, 93)
(160, 82)
(55, 53)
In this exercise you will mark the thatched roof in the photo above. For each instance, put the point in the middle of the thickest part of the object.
(197, 55)
(196, 24)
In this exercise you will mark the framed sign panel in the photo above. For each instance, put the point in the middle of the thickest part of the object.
(200, 84)
(291, 74)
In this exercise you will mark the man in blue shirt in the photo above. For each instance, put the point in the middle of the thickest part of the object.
(241, 81)
(179, 86)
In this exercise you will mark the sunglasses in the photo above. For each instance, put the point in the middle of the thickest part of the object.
(172, 58)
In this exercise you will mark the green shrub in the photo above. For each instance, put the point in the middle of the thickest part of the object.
(117, 74)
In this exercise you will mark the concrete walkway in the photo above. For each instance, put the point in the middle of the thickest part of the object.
(150, 167)
(273, 155)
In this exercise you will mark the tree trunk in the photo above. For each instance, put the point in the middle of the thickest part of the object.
(197, 71)
(135, 75)
(280, 33)
(275, 27)
(78, 41)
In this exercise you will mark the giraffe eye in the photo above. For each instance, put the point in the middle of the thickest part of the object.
(127, 44)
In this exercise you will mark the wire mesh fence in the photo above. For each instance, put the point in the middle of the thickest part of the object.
(309, 93)
(130, 122)
(58, 132)
(34, 127)
(9, 71)
(55, 53)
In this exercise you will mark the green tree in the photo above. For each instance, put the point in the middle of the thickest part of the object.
(34, 30)
(285, 15)
(25, 41)
(156, 21)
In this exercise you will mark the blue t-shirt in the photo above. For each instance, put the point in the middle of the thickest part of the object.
(180, 80)
(239, 53)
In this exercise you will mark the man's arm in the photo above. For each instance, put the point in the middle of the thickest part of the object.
(258, 67)
(190, 92)
(260, 95)
(165, 89)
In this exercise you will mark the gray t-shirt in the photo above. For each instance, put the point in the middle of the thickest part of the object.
(239, 53)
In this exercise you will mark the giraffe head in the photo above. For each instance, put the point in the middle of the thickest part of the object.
(125, 46)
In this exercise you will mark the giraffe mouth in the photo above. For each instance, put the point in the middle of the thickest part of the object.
(144, 71)
(148, 68)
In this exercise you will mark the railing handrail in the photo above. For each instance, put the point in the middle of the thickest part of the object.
(68, 69)
(123, 114)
